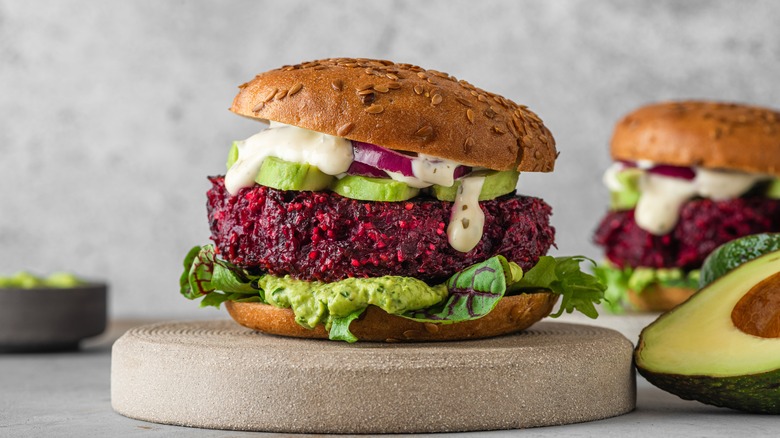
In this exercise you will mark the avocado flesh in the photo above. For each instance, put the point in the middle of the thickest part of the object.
(373, 189)
(284, 175)
(496, 184)
(697, 352)
(773, 191)
(628, 196)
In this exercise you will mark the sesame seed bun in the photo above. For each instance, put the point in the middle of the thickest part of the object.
(705, 134)
(511, 314)
(401, 107)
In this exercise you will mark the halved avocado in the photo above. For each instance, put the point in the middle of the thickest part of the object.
(732, 254)
(722, 346)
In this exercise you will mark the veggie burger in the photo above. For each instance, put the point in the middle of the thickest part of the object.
(379, 204)
(688, 177)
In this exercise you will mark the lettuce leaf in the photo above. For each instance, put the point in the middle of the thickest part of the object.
(472, 292)
(562, 275)
(621, 280)
(216, 280)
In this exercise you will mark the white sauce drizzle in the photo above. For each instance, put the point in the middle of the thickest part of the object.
(610, 178)
(332, 155)
(467, 219)
(662, 197)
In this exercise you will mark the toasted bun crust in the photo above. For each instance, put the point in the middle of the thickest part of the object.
(510, 315)
(705, 134)
(401, 107)
(659, 298)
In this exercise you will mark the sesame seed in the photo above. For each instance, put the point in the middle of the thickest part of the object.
(470, 115)
(375, 109)
(436, 99)
(393, 85)
(345, 129)
(270, 95)
(463, 102)
(258, 107)
(424, 132)
(418, 89)
(337, 85)
(381, 88)
(296, 88)
(468, 144)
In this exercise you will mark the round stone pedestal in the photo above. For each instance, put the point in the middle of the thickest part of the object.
(219, 375)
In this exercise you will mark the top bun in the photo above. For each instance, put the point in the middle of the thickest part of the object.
(705, 134)
(401, 107)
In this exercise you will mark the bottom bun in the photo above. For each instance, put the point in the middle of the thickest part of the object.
(511, 314)
(659, 298)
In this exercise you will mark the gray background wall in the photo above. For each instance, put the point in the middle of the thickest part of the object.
(113, 113)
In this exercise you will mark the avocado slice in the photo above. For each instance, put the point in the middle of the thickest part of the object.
(732, 254)
(285, 175)
(626, 198)
(496, 184)
(773, 191)
(232, 155)
(722, 346)
(373, 189)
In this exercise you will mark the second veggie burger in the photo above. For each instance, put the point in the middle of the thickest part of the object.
(688, 176)
(380, 205)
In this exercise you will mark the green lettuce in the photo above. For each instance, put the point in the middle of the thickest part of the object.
(470, 294)
(621, 280)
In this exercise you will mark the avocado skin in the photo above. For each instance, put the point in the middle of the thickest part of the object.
(732, 254)
(756, 393)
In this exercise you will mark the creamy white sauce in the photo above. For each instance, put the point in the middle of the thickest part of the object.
(610, 178)
(661, 197)
(332, 155)
(466, 219)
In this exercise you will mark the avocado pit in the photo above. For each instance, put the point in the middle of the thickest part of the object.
(758, 312)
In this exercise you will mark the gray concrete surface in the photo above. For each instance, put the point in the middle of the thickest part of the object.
(67, 395)
(113, 113)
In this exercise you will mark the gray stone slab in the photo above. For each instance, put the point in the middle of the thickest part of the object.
(219, 375)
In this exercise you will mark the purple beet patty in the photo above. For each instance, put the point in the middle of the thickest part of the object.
(704, 225)
(324, 236)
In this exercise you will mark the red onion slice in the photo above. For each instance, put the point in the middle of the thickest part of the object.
(666, 170)
(382, 159)
(362, 169)
(673, 171)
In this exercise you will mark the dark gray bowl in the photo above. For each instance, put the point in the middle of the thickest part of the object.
(51, 319)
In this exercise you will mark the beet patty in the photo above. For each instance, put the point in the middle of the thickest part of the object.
(324, 236)
(704, 225)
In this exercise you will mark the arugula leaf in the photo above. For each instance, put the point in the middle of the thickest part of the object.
(339, 327)
(562, 275)
(474, 292)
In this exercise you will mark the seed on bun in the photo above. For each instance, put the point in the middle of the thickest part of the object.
(380, 204)
(712, 135)
(688, 177)
(402, 107)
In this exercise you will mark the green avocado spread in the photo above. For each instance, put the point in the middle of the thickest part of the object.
(316, 302)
